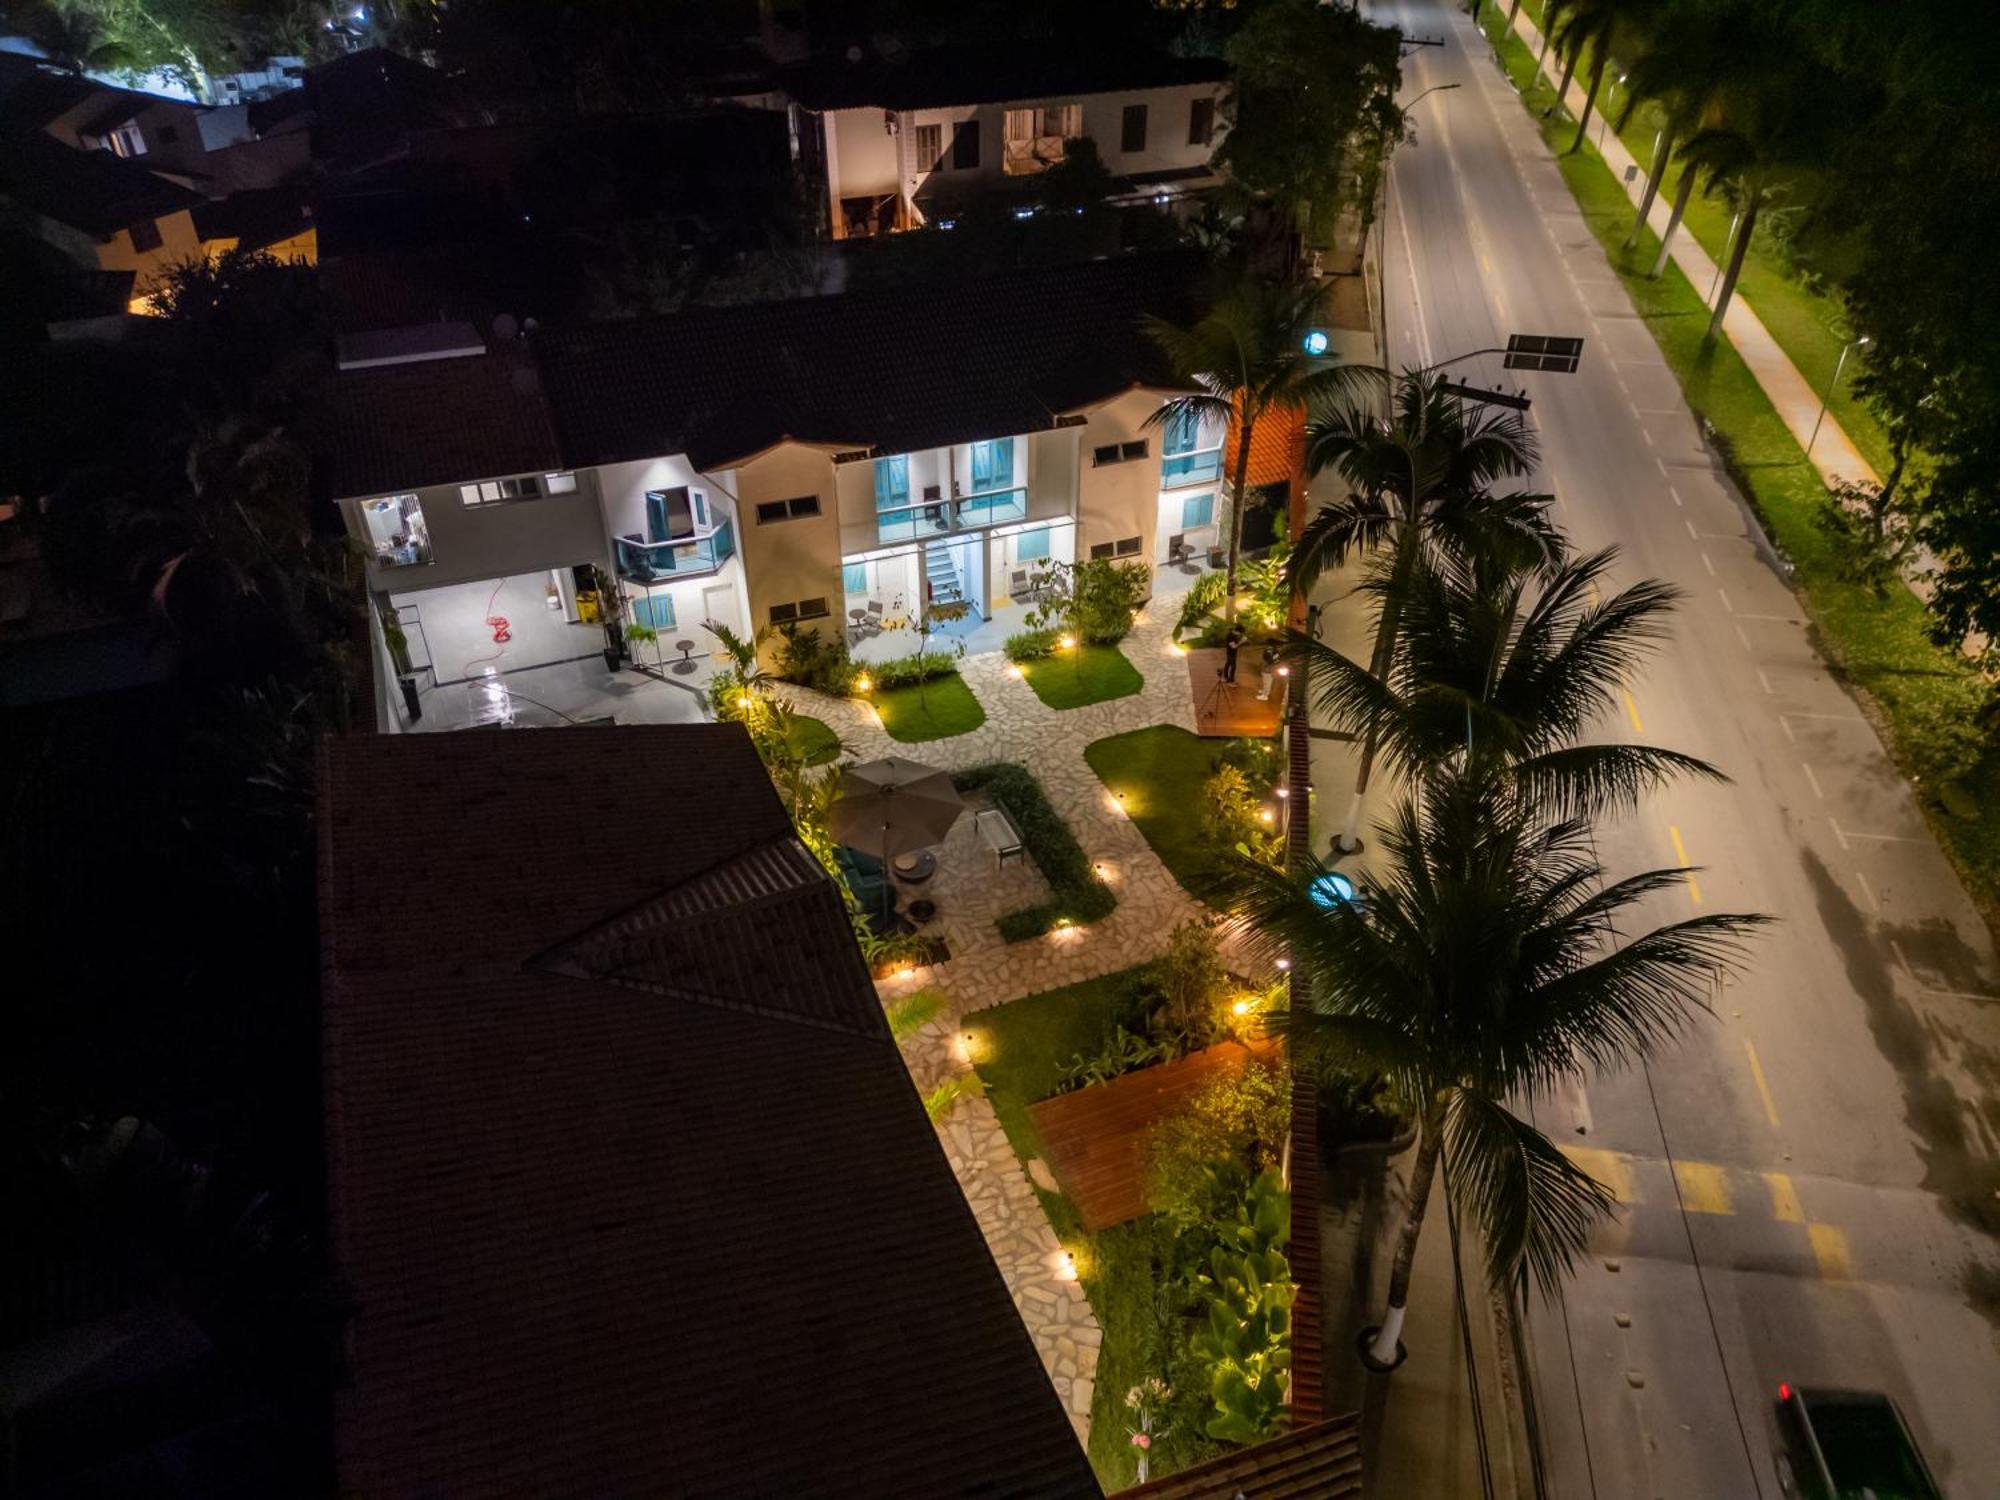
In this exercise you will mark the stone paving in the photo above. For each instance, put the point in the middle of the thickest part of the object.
(983, 971)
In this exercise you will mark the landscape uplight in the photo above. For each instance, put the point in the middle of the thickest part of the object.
(863, 683)
(1316, 342)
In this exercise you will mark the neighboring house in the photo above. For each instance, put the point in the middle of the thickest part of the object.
(100, 210)
(806, 462)
(630, 1190)
(895, 143)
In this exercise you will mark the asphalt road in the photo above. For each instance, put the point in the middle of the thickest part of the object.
(1809, 1177)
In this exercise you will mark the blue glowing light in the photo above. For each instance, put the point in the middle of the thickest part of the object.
(1332, 889)
(1316, 341)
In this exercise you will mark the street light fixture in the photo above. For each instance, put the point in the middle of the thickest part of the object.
(1832, 386)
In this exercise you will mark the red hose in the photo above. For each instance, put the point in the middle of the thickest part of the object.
(502, 632)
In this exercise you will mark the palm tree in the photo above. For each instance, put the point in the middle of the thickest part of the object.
(1483, 963)
(1582, 26)
(1421, 481)
(71, 36)
(1246, 358)
(1512, 665)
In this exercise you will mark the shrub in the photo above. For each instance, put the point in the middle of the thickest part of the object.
(1239, 1117)
(1192, 985)
(1232, 816)
(1093, 600)
(1075, 894)
(1201, 600)
(1032, 645)
(908, 671)
(1248, 1285)
(1121, 1053)
(815, 661)
(1355, 1108)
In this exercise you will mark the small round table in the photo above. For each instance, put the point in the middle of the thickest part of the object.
(914, 868)
(921, 912)
(686, 664)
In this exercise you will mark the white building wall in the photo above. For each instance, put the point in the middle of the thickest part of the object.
(786, 561)
(622, 490)
(1119, 500)
(492, 541)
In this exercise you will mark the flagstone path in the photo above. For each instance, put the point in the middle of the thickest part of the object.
(984, 971)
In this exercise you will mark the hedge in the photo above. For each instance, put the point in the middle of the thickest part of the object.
(908, 671)
(1074, 892)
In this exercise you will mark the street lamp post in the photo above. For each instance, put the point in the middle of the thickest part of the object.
(1832, 386)
(1727, 243)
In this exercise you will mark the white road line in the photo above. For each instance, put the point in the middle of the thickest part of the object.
(1677, 496)
(1868, 891)
(1744, 639)
(1647, 436)
(1696, 535)
(1765, 683)
(1813, 779)
(1897, 949)
(1836, 827)
(1662, 463)
(1832, 718)
(1708, 563)
(1789, 736)
(1875, 838)
(1773, 619)
(1724, 595)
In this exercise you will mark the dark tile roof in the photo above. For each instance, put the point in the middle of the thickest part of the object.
(401, 427)
(631, 1187)
(898, 369)
(256, 217)
(1320, 1462)
(94, 191)
(944, 76)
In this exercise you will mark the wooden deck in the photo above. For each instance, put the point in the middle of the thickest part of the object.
(1234, 710)
(1092, 1137)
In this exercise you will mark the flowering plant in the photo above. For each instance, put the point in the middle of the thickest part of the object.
(1147, 1402)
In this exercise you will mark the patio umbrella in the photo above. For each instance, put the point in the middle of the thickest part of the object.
(892, 806)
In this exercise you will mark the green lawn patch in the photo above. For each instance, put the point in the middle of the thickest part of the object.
(1161, 772)
(812, 740)
(1075, 893)
(934, 710)
(1920, 692)
(1086, 675)
(1020, 1050)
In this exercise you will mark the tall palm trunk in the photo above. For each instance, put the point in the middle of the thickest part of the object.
(1541, 57)
(1236, 508)
(1681, 195)
(1589, 101)
(1379, 662)
(1422, 1170)
(1653, 180)
(1736, 251)
(1512, 11)
(1569, 72)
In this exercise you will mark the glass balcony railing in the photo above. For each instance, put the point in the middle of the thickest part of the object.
(1204, 467)
(930, 518)
(650, 562)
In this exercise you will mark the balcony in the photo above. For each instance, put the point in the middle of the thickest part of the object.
(1203, 467)
(662, 562)
(928, 518)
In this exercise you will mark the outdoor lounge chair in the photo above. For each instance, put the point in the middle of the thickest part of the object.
(998, 831)
(1179, 553)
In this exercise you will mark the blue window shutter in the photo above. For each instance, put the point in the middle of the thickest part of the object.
(654, 610)
(993, 464)
(854, 578)
(1031, 545)
(892, 482)
(1197, 510)
(656, 516)
(1183, 428)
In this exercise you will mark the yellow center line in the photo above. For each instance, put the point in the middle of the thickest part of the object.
(1632, 713)
(1830, 1250)
(1681, 854)
(1611, 1168)
(1763, 1088)
(1784, 1199)
(1704, 1187)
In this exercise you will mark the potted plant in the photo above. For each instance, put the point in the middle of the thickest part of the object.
(637, 634)
(399, 657)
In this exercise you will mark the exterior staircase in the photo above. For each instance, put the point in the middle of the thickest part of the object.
(942, 573)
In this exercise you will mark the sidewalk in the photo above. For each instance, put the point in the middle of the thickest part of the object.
(1789, 392)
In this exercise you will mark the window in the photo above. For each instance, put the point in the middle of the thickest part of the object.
(699, 503)
(521, 487)
(854, 578)
(1031, 546)
(993, 465)
(145, 236)
(1108, 454)
(656, 610)
(1197, 510)
(1127, 547)
(559, 484)
(1201, 122)
(1035, 137)
(804, 609)
(930, 146)
(1181, 431)
(965, 146)
(892, 482)
(396, 532)
(1129, 451)
(1132, 128)
(126, 140)
(798, 507)
(1118, 453)
(1100, 552)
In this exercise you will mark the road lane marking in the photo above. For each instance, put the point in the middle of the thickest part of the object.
(1676, 496)
(1877, 838)
(1836, 826)
(1784, 1199)
(1704, 1187)
(1680, 853)
(1708, 563)
(1772, 619)
(1745, 639)
(1632, 712)
(1765, 683)
(1727, 607)
(1813, 779)
(1831, 718)
(1868, 891)
(1611, 1168)
(1763, 1088)
(1786, 725)
(1691, 531)
(1830, 1250)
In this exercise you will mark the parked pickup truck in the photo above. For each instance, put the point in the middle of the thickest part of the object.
(1850, 1445)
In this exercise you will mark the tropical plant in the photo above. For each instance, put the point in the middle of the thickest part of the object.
(1420, 481)
(743, 653)
(1246, 360)
(1513, 665)
(1234, 815)
(1091, 601)
(1247, 1340)
(1122, 1052)
(911, 1013)
(923, 623)
(74, 37)
(1032, 645)
(1191, 983)
(909, 671)
(1483, 961)
(1871, 532)
(1199, 602)
(948, 1095)
(815, 661)
(1241, 1116)
(644, 635)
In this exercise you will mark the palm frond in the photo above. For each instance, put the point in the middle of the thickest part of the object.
(911, 1013)
(1590, 780)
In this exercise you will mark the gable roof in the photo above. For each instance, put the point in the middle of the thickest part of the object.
(939, 77)
(631, 1185)
(898, 369)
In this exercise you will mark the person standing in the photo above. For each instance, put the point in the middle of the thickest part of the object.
(1231, 644)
